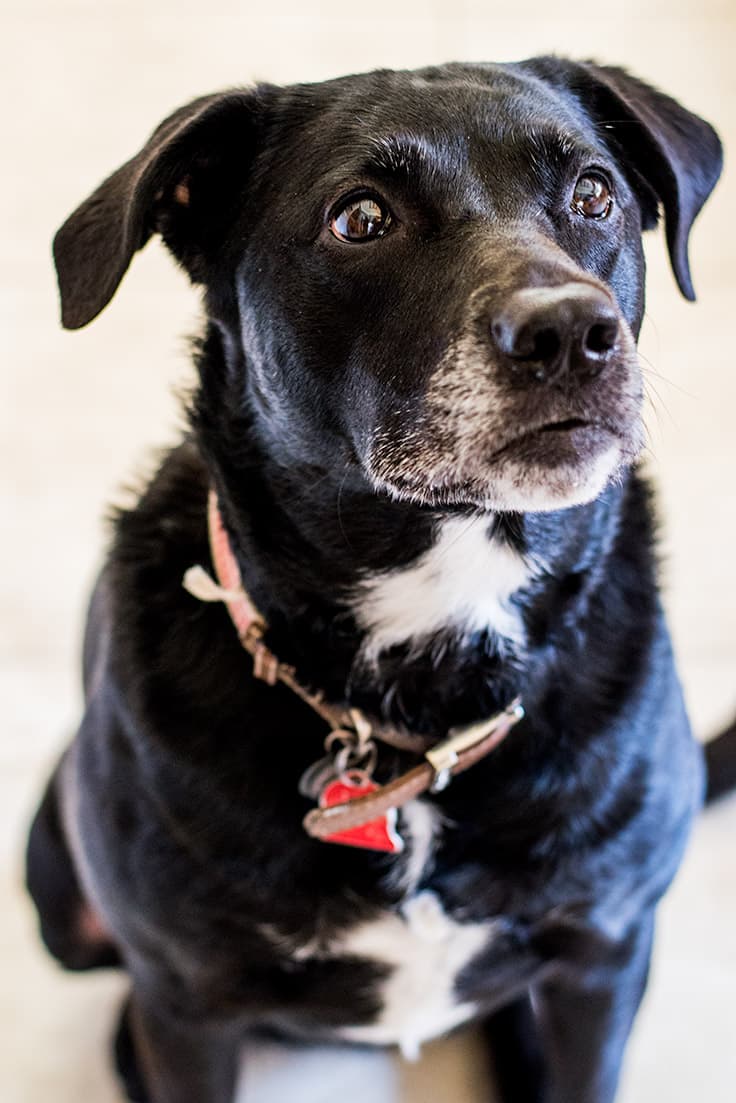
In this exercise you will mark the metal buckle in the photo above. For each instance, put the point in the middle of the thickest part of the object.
(445, 755)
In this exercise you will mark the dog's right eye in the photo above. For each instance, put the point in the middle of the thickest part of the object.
(362, 218)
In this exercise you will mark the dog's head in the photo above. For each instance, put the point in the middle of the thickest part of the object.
(429, 282)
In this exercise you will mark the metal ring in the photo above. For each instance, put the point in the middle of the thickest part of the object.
(341, 735)
(351, 758)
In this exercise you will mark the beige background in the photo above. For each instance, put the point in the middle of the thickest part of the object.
(84, 82)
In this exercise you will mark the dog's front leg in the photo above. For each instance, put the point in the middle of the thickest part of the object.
(585, 1012)
(181, 1060)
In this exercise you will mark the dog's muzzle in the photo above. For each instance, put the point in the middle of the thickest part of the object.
(536, 406)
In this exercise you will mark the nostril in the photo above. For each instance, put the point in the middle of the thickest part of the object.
(527, 343)
(600, 338)
(546, 346)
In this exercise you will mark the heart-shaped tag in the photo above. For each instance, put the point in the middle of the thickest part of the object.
(378, 834)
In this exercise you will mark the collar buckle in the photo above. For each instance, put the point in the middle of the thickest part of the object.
(444, 756)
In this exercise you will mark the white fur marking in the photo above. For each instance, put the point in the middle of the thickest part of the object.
(464, 581)
(427, 950)
(513, 489)
(421, 824)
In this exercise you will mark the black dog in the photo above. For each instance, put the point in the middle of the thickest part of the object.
(419, 406)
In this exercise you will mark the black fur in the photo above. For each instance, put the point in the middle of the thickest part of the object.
(183, 778)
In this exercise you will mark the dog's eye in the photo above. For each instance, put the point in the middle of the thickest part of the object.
(592, 196)
(360, 219)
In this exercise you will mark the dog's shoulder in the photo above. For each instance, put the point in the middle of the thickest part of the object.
(170, 652)
(168, 517)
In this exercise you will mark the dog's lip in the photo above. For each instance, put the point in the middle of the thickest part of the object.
(462, 494)
(564, 427)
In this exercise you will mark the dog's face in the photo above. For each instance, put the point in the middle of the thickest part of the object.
(429, 283)
(452, 294)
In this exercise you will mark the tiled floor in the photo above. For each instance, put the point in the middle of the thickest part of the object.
(84, 81)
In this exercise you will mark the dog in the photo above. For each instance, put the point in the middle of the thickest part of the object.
(409, 749)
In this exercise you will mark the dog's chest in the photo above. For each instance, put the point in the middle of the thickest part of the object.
(425, 951)
(406, 959)
(465, 582)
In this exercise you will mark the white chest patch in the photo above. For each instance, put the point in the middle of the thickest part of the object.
(465, 581)
(420, 824)
(426, 950)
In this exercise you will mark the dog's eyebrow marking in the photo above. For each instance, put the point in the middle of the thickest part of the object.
(405, 155)
(553, 141)
(398, 155)
(548, 149)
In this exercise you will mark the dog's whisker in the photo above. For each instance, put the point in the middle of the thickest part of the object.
(304, 493)
(656, 403)
(340, 489)
(648, 370)
(447, 549)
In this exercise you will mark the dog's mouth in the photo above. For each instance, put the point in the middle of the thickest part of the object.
(551, 465)
(565, 425)
(569, 440)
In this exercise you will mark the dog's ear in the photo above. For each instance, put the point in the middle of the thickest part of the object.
(184, 184)
(668, 152)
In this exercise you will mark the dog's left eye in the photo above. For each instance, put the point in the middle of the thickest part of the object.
(360, 219)
(592, 196)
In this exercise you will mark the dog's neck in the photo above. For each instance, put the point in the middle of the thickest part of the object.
(427, 620)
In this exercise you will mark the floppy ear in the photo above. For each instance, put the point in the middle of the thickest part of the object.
(184, 183)
(674, 153)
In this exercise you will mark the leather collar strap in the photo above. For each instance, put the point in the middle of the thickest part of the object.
(458, 752)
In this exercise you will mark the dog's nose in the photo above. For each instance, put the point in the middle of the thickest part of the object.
(546, 332)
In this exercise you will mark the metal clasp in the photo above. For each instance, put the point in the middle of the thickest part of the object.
(445, 755)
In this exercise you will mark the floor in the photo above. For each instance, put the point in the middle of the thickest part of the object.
(81, 414)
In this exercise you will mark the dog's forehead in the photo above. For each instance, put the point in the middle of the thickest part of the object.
(499, 98)
(431, 122)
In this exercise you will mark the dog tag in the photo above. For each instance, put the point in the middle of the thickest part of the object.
(378, 834)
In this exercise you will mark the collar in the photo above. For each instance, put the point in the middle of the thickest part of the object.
(352, 808)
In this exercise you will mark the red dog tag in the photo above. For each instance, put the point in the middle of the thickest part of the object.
(378, 834)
